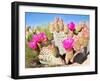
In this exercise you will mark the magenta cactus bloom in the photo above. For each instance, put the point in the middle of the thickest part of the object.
(39, 37)
(71, 26)
(68, 43)
(32, 45)
(36, 38)
(42, 36)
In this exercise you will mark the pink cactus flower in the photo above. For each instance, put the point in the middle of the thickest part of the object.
(71, 26)
(68, 43)
(32, 45)
(42, 36)
(36, 38)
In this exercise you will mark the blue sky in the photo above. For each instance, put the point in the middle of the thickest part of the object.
(35, 19)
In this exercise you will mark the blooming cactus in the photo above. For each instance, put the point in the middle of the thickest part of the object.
(71, 26)
(36, 38)
(32, 45)
(39, 37)
(68, 43)
(43, 36)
